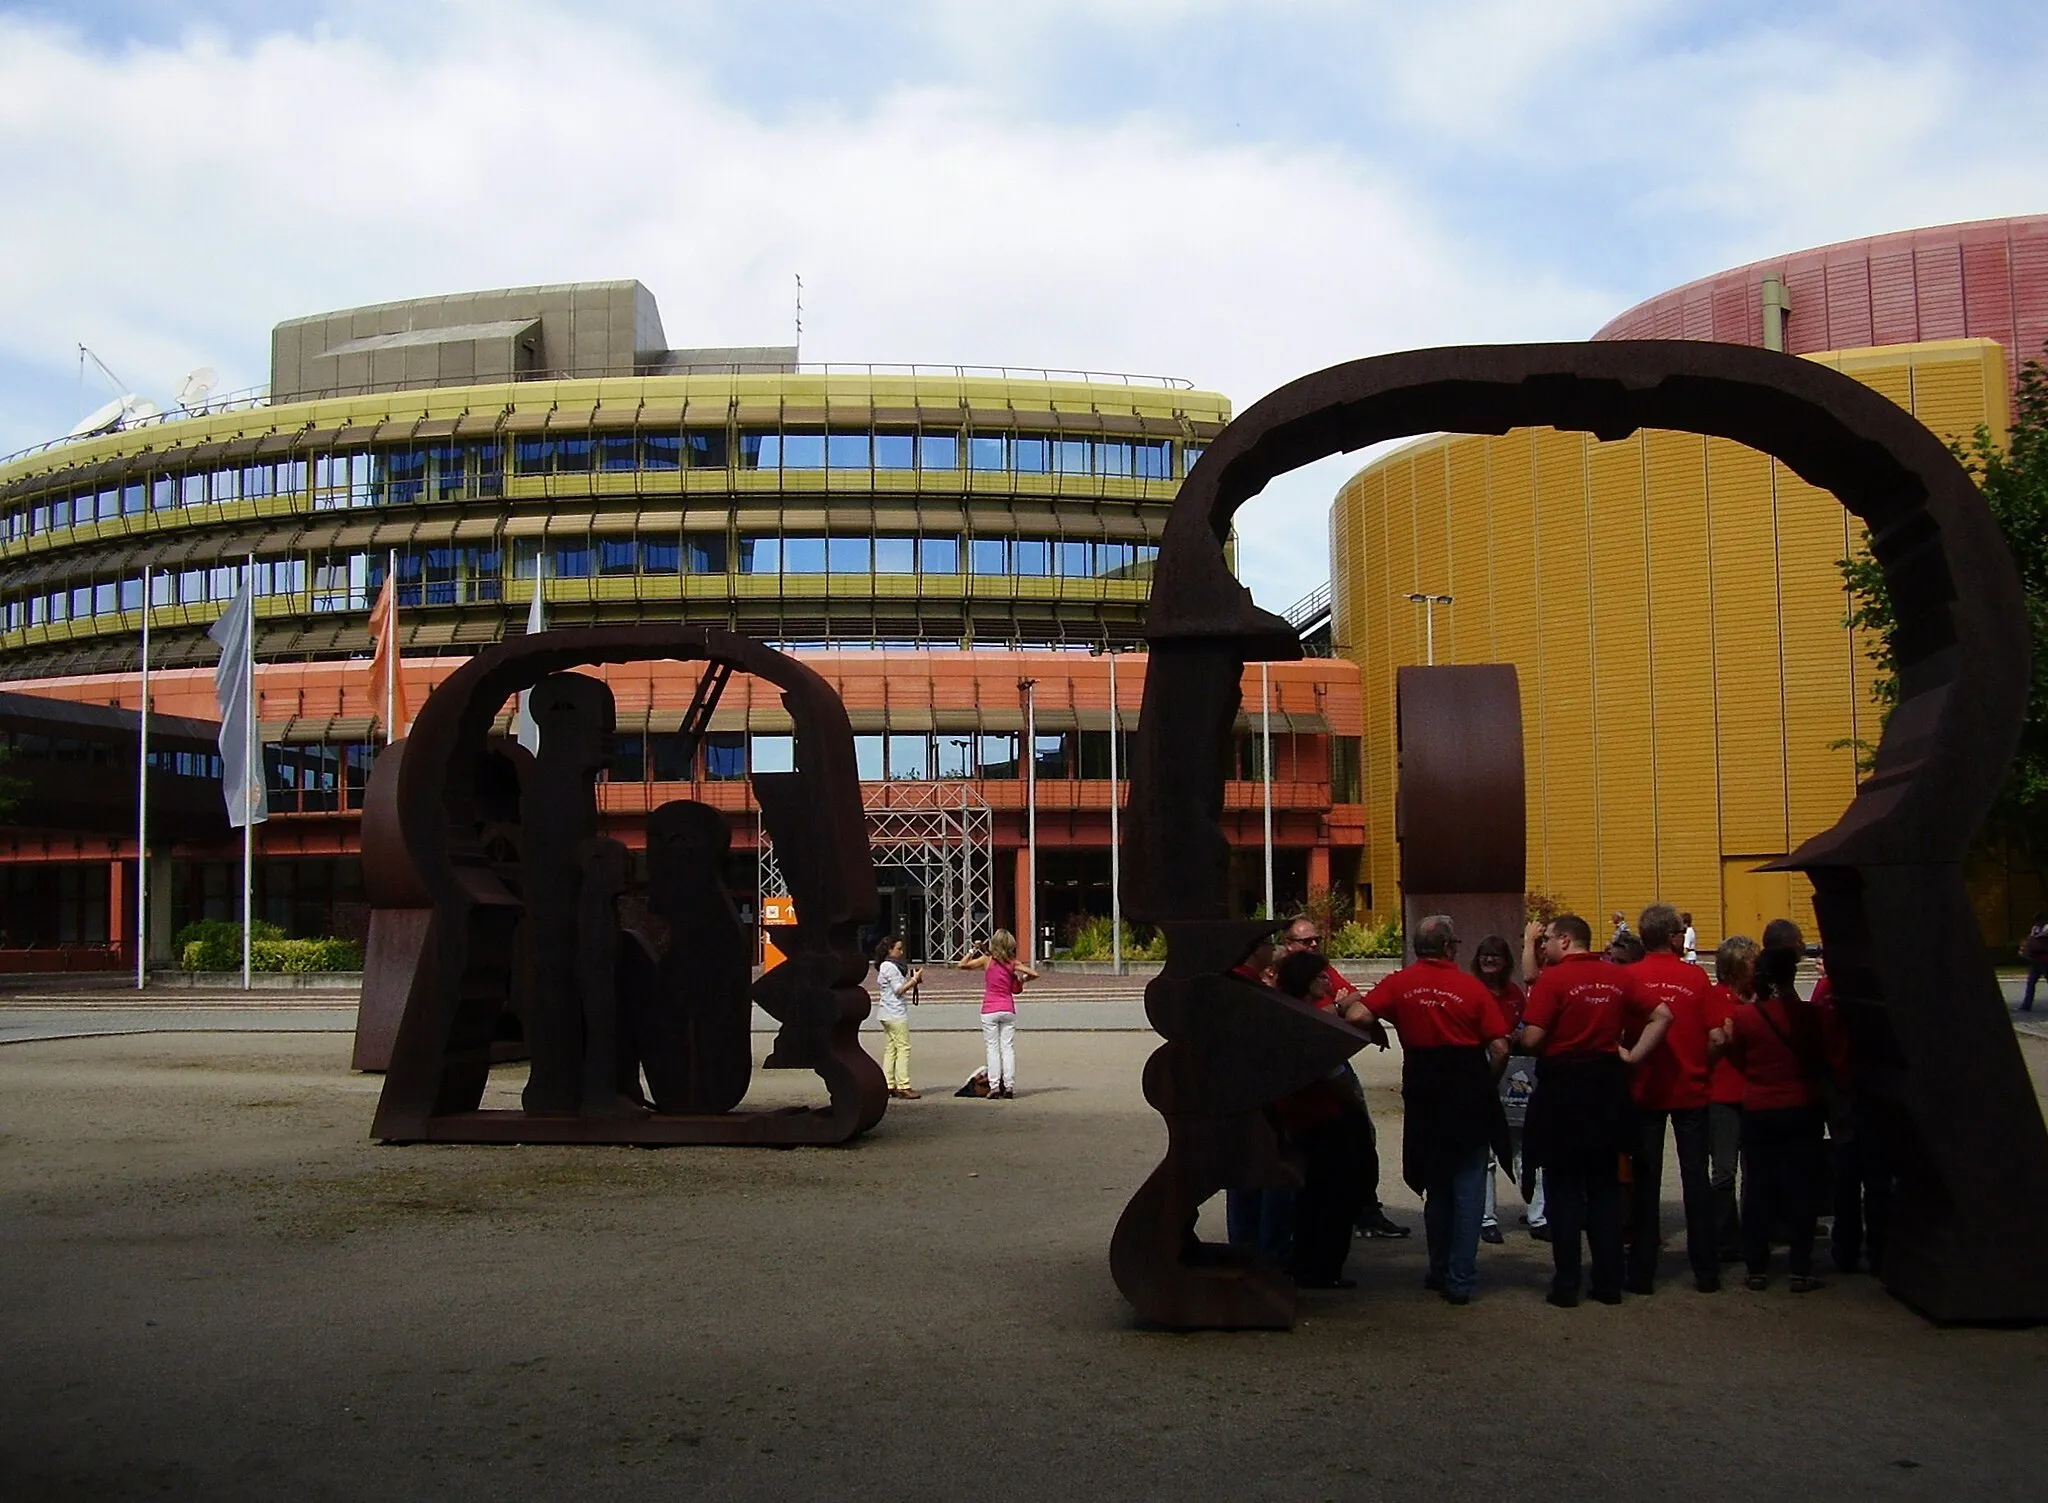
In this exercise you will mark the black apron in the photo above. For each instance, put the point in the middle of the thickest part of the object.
(1452, 1106)
(1581, 1107)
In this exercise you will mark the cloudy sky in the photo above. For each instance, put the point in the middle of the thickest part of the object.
(1236, 194)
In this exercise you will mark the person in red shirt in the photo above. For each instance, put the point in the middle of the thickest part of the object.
(1735, 984)
(1580, 1118)
(1670, 1083)
(1453, 1042)
(1305, 936)
(1779, 1044)
(1326, 1123)
(1493, 962)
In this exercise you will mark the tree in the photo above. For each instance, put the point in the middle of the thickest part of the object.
(2014, 481)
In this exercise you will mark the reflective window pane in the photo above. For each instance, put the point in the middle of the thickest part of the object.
(985, 453)
(760, 451)
(1075, 561)
(895, 556)
(571, 561)
(803, 555)
(910, 758)
(848, 555)
(938, 451)
(895, 451)
(1030, 456)
(1112, 457)
(1189, 453)
(955, 756)
(1031, 557)
(1153, 461)
(867, 758)
(801, 451)
(725, 756)
(574, 455)
(757, 556)
(939, 555)
(616, 451)
(998, 755)
(989, 556)
(774, 753)
(660, 557)
(846, 451)
(704, 553)
(705, 448)
(1070, 456)
(616, 556)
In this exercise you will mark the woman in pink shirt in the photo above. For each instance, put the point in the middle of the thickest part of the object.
(1003, 977)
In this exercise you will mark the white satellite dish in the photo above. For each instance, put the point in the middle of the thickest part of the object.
(135, 409)
(197, 385)
(102, 419)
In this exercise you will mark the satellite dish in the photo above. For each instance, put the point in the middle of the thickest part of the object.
(193, 390)
(135, 409)
(102, 419)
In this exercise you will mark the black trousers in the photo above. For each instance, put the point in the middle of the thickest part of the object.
(1337, 1159)
(1582, 1198)
(1689, 1128)
(1863, 1196)
(1781, 1167)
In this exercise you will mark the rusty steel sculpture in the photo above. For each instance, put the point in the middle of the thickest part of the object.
(1938, 1065)
(1460, 802)
(497, 896)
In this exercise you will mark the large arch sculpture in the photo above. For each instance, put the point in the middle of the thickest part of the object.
(530, 903)
(1935, 1051)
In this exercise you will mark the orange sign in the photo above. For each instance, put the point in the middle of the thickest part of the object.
(775, 914)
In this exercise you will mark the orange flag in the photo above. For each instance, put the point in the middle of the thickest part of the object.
(387, 674)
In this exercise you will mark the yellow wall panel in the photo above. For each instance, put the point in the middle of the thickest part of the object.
(1626, 834)
(1469, 558)
(1749, 725)
(1818, 656)
(1566, 788)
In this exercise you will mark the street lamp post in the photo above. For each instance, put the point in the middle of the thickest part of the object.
(1028, 688)
(1116, 898)
(1429, 603)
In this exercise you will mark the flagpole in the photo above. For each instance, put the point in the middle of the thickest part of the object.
(391, 651)
(1266, 773)
(142, 805)
(251, 770)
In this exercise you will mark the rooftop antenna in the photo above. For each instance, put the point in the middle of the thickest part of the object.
(126, 407)
(193, 390)
(799, 319)
(113, 380)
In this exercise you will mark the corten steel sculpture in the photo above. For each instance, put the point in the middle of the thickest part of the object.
(1461, 798)
(504, 893)
(1935, 1052)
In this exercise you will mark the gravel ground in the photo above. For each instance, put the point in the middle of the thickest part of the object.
(217, 1287)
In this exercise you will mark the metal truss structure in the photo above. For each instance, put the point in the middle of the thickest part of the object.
(938, 836)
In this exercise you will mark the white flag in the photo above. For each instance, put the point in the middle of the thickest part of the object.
(524, 728)
(241, 775)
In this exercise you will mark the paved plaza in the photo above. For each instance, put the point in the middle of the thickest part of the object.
(218, 1287)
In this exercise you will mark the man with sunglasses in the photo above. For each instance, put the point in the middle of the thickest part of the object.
(1305, 936)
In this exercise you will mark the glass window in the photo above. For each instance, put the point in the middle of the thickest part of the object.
(1153, 460)
(574, 455)
(704, 553)
(1112, 559)
(867, 758)
(192, 490)
(706, 449)
(910, 758)
(895, 451)
(1189, 453)
(531, 456)
(801, 451)
(163, 493)
(446, 463)
(725, 756)
(106, 599)
(760, 451)
(490, 469)
(1094, 753)
(938, 451)
(848, 556)
(955, 756)
(938, 555)
(81, 602)
(1345, 763)
(989, 556)
(1030, 456)
(1031, 557)
(405, 476)
(570, 561)
(773, 753)
(803, 555)
(847, 451)
(660, 557)
(1075, 560)
(192, 586)
(1070, 456)
(1055, 754)
(616, 451)
(667, 757)
(895, 555)
(39, 519)
(60, 511)
(661, 451)
(616, 556)
(163, 589)
(757, 556)
(998, 755)
(984, 453)
(131, 498)
(1112, 457)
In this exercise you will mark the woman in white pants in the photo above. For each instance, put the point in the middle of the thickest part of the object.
(1003, 977)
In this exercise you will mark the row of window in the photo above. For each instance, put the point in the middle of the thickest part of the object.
(76, 751)
(468, 575)
(450, 472)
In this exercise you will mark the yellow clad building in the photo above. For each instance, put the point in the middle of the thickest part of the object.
(1691, 694)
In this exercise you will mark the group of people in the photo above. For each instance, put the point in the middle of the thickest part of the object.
(1003, 978)
(1621, 1044)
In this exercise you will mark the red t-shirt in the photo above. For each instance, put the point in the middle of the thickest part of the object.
(1511, 1002)
(1582, 1004)
(1834, 1035)
(1724, 1080)
(1674, 1078)
(1433, 1004)
(1773, 1076)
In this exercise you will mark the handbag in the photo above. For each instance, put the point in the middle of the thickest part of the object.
(1820, 1074)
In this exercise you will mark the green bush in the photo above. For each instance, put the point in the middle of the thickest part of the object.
(216, 945)
(1356, 941)
(1091, 941)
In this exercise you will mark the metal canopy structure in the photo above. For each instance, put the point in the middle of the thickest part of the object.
(940, 836)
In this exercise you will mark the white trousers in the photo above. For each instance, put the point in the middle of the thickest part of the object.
(999, 1036)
